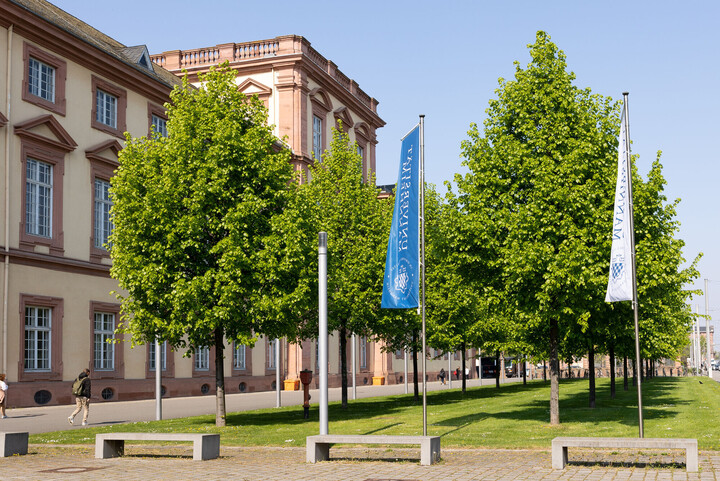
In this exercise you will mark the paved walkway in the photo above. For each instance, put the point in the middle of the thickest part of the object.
(174, 462)
(260, 464)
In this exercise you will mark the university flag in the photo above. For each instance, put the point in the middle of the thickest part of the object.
(620, 282)
(401, 280)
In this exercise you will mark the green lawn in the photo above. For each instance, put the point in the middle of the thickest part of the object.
(514, 416)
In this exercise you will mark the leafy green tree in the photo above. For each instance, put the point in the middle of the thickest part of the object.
(192, 215)
(339, 201)
(537, 200)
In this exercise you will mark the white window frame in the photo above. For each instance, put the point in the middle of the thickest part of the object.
(317, 126)
(104, 351)
(163, 356)
(271, 346)
(103, 224)
(363, 352)
(106, 107)
(159, 125)
(35, 336)
(239, 357)
(38, 216)
(202, 359)
(41, 79)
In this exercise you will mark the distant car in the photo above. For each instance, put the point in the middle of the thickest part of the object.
(715, 365)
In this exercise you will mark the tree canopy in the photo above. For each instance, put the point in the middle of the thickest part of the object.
(192, 215)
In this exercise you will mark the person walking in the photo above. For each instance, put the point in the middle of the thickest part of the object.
(3, 396)
(442, 376)
(81, 391)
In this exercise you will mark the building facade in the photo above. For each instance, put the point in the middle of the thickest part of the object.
(69, 93)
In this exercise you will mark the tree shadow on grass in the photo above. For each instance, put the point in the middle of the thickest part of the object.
(657, 398)
(533, 405)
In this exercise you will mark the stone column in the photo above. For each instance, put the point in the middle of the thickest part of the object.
(380, 370)
(295, 351)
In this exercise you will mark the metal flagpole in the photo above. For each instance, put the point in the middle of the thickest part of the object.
(353, 354)
(323, 331)
(707, 332)
(422, 266)
(628, 164)
(278, 400)
(158, 379)
(696, 354)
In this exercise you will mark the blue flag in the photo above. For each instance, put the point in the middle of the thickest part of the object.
(401, 283)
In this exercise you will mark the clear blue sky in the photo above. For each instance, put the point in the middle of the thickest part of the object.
(444, 61)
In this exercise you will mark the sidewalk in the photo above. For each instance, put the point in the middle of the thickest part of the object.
(346, 464)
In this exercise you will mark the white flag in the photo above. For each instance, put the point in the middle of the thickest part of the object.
(620, 283)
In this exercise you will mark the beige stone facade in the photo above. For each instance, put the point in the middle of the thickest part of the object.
(68, 94)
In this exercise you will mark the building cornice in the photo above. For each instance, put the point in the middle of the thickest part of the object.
(44, 33)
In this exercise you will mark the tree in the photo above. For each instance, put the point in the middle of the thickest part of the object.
(339, 201)
(192, 216)
(537, 199)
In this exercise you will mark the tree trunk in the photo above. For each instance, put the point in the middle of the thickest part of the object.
(220, 379)
(497, 369)
(554, 372)
(524, 365)
(343, 368)
(634, 372)
(591, 377)
(545, 371)
(612, 371)
(462, 351)
(625, 374)
(415, 367)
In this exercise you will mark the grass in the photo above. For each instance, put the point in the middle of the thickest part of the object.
(514, 416)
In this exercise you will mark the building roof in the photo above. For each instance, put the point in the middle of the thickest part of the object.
(91, 36)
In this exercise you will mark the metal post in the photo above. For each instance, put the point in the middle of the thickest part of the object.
(158, 381)
(354, 364)
(696, 354)
(323, 328)
(628, 163)
(278, 401)
(449, 370)
(422, 261)
(707, 331)
(406, 370)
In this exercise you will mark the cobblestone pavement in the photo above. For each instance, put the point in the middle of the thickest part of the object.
(175, 463)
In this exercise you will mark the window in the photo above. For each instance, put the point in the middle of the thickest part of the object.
(271, 349)
(202, 359)
(157, 120)
(38, 329)
(239, 357)
(106, 108)
(317, 137)
(103, 225)
(159, 125)
(44, 79)
(361, 152)
(38, 198)
(163, 356)
(109, 105)
(41, 80)
(104, 348)
(363, 352)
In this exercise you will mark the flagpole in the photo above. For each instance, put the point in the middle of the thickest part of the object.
(422, 266)
(628, 163)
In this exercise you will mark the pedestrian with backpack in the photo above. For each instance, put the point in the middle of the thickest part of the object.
(81, 391)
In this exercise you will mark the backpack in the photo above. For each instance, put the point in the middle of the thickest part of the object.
(77, 387)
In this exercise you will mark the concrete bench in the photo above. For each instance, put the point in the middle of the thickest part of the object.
(560, 447)
(318, 447)
(13, 443)
(111, 445)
